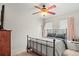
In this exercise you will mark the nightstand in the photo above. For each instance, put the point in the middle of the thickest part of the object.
(73, 45)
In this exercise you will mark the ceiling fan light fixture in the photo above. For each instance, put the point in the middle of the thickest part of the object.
(44, 13)
(45, 10)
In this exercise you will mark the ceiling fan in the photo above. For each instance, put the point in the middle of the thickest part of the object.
(45, 10)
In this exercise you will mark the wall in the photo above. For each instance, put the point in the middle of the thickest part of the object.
(56, 20)
(19, 19)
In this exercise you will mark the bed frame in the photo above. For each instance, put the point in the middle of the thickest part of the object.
(36, 50)
(46, 45)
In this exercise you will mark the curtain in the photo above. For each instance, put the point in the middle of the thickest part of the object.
(70, 28)
(42, 26)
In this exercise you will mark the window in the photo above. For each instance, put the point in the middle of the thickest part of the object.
(48, 25)
(63, 24)
(47, 28)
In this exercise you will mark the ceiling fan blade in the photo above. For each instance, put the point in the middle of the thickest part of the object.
(37, 7)
(35, 13)
(51, 12)
(53, 6)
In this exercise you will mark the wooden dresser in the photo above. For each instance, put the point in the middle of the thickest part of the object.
(5, 42)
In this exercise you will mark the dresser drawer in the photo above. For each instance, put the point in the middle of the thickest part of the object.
(6, 51)
(73, 45)
(77, 47)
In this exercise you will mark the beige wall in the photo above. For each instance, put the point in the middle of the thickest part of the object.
(19, 19)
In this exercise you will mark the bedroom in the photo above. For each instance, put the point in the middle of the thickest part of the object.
(19, 19)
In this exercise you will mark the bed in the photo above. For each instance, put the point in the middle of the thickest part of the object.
(46, 46)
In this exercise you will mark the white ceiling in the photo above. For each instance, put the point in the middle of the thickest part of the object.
(61, 8)
(65, 8)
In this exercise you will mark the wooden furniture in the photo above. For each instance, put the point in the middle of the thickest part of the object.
(5, 42)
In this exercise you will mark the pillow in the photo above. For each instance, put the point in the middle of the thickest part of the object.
(61, 31)
(51, 35)
(60, 36)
